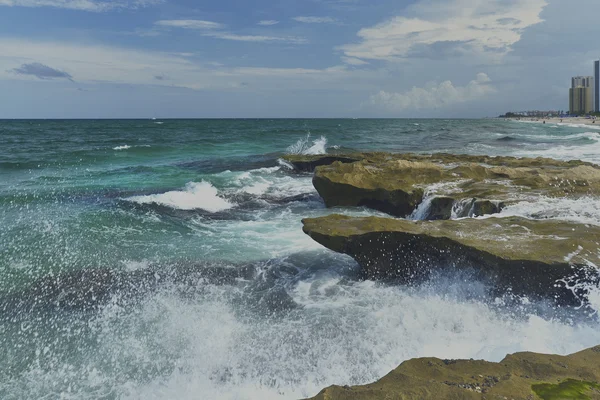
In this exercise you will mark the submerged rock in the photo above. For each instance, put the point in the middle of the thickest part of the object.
(398, 183)
(520, 376)
(528, 257)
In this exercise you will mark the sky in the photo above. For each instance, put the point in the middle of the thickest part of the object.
(291, 58)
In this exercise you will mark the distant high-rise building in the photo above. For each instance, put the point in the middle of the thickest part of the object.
(581, 95)
(597, 88)
(580, 100)
(582, 81)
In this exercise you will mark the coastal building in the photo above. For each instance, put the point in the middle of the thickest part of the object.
(582, 81)
(581, 95)
(580, 100)
(597, 86)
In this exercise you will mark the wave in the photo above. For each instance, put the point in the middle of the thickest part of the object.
(215, 342)
(304, 146)
(584, 126)
(200, 195)
(587, 152)
(506, 139)
(127, 147)
(266, 182)
(584, 210)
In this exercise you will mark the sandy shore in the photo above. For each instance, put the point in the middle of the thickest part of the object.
(571, 120)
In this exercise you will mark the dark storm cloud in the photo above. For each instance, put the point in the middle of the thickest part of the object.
(42, 71)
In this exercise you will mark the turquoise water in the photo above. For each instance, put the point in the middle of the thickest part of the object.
(221, 295)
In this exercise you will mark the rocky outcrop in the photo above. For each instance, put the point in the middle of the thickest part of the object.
(526, 256)
(465, 185)
(521, 376)
(391, 190)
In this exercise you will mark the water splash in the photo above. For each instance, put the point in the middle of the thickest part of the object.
(584, 284)
(200, 195)
(304, 146)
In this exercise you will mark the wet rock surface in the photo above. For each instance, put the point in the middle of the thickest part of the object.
(521, 376)
(530, 258)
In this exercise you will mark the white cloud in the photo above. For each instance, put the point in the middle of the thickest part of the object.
(450, 27)
(96, 64)
(81, 5)
(215, 30)
(354, 61)
(92, 63)
(268, 22)
(254, 38)
(314, 20)
(189, 24)
(434, 96)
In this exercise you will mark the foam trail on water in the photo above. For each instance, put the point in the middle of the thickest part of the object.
(127, 147)
(271, 181)
(200, 195)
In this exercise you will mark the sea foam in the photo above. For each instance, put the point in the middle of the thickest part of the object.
(304, 146)
(197, 195)
(584, 210)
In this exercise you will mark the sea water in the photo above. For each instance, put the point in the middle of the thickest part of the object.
(163, 198)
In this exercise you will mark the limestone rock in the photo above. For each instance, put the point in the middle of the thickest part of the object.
(526, 256)
(398, 183)
(521, 376)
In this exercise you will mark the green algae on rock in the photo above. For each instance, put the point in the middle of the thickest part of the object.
(521, 376)
(569, 389)
(526, 256)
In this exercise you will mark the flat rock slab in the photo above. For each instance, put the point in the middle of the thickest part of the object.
(521, 376)
(398, 183)
(528, 257)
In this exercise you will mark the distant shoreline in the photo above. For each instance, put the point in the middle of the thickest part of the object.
(553, 120)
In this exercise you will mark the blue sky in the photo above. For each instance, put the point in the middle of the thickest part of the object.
(290, 58)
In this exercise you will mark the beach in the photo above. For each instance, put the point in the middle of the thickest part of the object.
(558, 121)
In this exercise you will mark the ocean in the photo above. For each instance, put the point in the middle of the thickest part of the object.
(222, 296)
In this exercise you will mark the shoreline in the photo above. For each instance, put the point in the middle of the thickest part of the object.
(558, 121)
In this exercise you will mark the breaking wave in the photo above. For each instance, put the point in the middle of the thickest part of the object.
(200, 195)
(305, 146)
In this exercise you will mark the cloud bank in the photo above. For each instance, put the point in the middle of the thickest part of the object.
(82, 5)
(268, 22)
(450, 28)
(315, 20)
(434, 96)
(216, 30)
